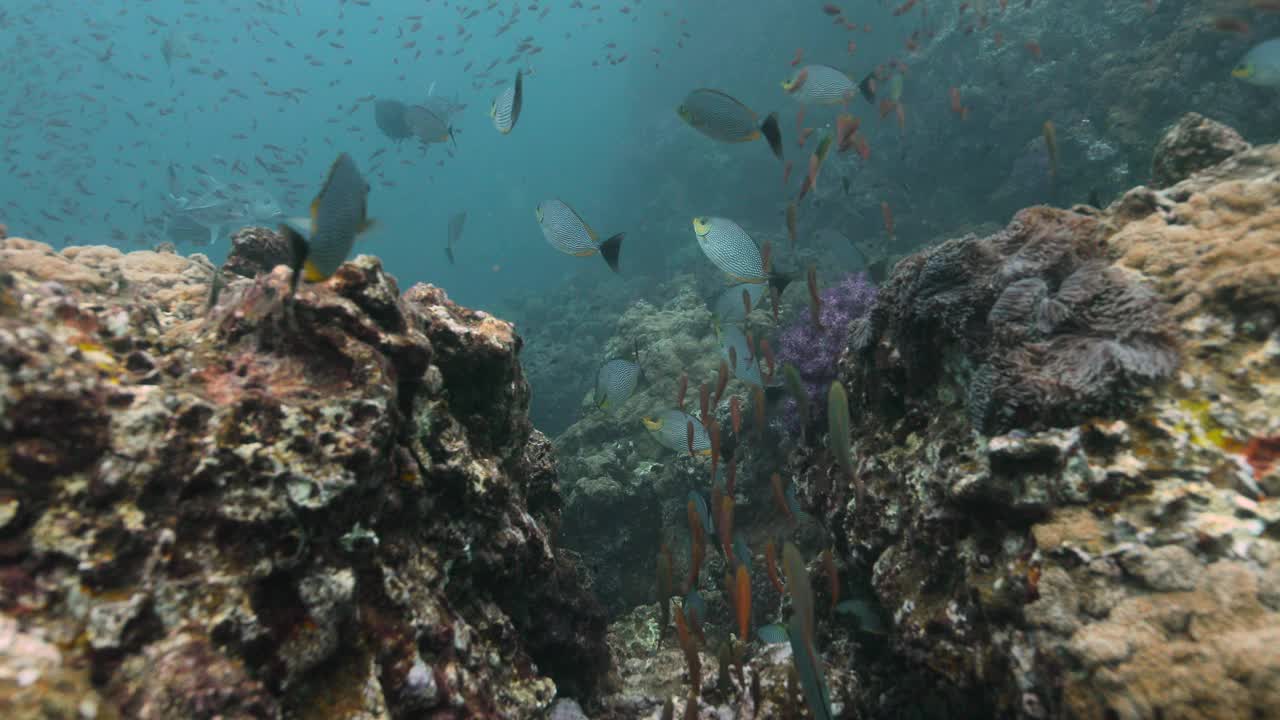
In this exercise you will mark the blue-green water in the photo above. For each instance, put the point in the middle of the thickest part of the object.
(95, 117)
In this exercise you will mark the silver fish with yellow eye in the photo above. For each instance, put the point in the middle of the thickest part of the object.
(730, 248)
(671, 429)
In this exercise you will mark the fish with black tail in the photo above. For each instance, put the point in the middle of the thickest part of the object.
(721, 117)
(567, 232)
(338, 216)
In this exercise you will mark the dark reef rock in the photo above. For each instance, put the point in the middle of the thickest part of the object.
(336, 508)
(1113, 549)
(256, 250)
(1033, 321)
(1194, 143)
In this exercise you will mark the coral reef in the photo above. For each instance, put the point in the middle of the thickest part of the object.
(1043, 330)
(611, 469)
(256, 250)
(1191, 145)
(335, 507)
(1107, 545)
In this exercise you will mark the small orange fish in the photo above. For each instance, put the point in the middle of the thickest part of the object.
(904, 8)
(863, 148)
(955, 101)
(831, 9)
(1033, 48)
(1231, 25)
(886, 107)
(811, 180)
(804, 136)
(846, 127)
(800, 118)
(799, 56)
(786, 173)
(769, 361)
(853, 47)
(887, 212)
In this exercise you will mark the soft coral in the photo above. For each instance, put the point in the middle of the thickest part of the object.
(814, 350)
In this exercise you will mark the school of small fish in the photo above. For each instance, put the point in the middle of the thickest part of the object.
(197, 203)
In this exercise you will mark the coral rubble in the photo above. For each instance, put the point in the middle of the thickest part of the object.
(334, 507)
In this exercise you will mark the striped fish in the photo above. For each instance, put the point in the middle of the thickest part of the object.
(721, 117)
(338, 216)
(671, 430)
(505, 109)
(616, 382)
(820, 85)
(730, 248)
(570, 234)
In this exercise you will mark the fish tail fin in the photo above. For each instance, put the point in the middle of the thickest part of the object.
(780, 281)
(868, 86)
(773, 134)
(610, 249)
(298, 250)
(448, 252)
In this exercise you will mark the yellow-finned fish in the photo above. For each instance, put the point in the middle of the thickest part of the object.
(427, 126)
(721, 117)
(567, 232)
(730, 248)
(505, 109)
(671, 430)
(338, 216)
(1261, 65)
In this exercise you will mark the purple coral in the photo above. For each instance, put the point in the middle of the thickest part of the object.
(814, 351)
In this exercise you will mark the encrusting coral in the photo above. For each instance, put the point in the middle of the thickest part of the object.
(1105, 544)
(335, 507)
(1042, 330)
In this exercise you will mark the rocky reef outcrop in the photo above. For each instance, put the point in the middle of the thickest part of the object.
(229, 505)
(1068, 435)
